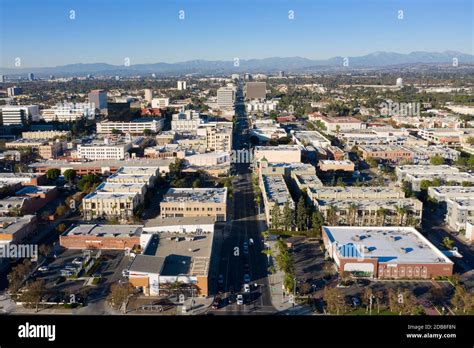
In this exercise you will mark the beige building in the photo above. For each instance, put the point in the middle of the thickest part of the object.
(371, 212)
(278, 154)
(51, 134)
(329, 165)
(191, 202)
(110, 205)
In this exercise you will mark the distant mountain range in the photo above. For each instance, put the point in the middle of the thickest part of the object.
(266, 65)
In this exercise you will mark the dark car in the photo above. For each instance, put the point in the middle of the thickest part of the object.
(363, 282)
(216, 303)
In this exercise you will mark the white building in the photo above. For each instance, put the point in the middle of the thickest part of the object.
(263, 106)
(19, 114)
(133, 127)
(226, 98)
(181, 85)
(159, 103)
(68, 112)
(105, 150)
(187, 121)
(148, 95)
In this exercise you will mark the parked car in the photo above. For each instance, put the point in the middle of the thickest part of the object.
(43, 269)
(220, 279)
(251, 241)
(246, 288)
(355, 301)
(78, 261)
(240, 299)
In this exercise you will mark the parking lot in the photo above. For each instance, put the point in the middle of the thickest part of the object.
(73, 273)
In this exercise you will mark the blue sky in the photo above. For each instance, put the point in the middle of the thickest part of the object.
(149, 31)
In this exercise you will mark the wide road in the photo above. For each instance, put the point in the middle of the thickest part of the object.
(235, 262)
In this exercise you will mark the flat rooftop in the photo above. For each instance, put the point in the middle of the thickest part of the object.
(110, 195)
(467, 191)
(204, 195)
(11, 225)
(183, 254)
(365, 203)
(120, 187)
(463, 202)
(94, 230)
(339, 163)
(414, 168)
(397, 245)
(29, 190)
(180, 221)
(276, 189)
(308, 180)
(147, 264)
(278, 148)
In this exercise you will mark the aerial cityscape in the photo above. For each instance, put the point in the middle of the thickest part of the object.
(202, 160)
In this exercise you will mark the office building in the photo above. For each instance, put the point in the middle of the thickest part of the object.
(255, 90)
(160, 103)
(181, 85)
(118, 150)
(226, 98)
(14, 91)
(134, 127)
(192, 202)
(98, 99)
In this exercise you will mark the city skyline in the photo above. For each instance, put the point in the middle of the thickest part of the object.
(97, 32)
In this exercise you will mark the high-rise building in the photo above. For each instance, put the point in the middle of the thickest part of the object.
(119, 111)
(31, 76)
(181, 85)
(19, 114)
(226, 97)
(255, 90)
(2, 79)
(399, 82)
(14, 91)
(148, 95)
(98, 98)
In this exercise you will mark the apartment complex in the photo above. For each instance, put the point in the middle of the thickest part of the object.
(392, 153)
(278, 154)
(274, 191)
(192, 202)
(187, 121)
(459, 212)
(49, 134)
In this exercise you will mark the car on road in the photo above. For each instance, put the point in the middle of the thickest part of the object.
(246, 288)
(251, 241)
(43, 269)
(216, 303)
(246, 248)
(220, 279)
(240, 299)
(246, 278)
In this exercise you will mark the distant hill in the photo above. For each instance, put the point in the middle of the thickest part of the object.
(266, 65)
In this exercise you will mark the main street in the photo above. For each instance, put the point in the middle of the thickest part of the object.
(245, 226)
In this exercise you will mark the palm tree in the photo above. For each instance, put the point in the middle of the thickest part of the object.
(331, 215)
(401, 211)
(382, 213)
(352, 213)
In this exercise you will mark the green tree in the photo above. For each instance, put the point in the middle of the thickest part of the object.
(301, 215)
(448, 243)
(61, 210)
(147, 132)
(288, 215)
(197, 183)
(70, 175)
(276, 217)
(33, 293)
(437, 160)
(53, 173)
(317, 222)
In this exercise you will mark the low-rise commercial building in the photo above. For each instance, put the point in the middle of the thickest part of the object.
(278, 154)
(93, 236)
(392, 153)
(110, 205)
(107, 150)
(403, 171)
(192, 202)
(16, 229)
(313, 138)
(338, 124)
(333, 166)
(136, 127)
(385, 252)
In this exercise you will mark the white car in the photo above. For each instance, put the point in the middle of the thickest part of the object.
(251, 241)
(246, 288)
(240, 299)
(43, 268)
